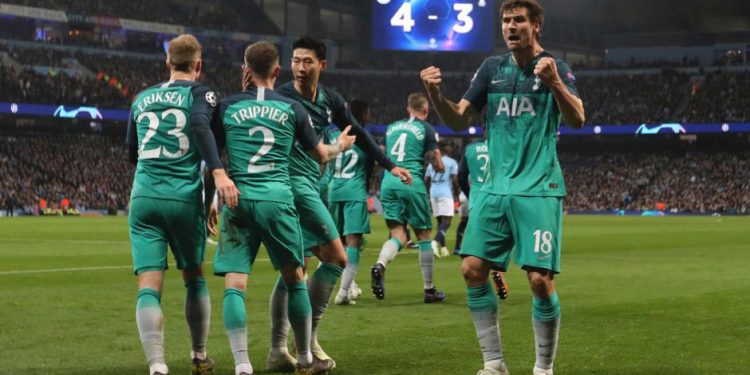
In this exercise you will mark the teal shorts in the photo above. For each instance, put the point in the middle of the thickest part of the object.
(407, 207)
(316, 222)
(500, 223)
(251, 223)
(156, 223)
(351, 217)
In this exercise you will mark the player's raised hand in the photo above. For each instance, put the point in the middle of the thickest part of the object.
(345, 140)
(402, 174)
(212, 220)
(228, 193)
(546, 70)
(431, 77)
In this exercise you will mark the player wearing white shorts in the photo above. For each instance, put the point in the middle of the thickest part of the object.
(443, 188)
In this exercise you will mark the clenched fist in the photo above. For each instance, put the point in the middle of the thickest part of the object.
(431, 77)
(546, 70)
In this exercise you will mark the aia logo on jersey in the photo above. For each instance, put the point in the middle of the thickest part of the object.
(516, 107)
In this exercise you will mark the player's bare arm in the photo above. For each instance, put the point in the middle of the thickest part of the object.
(570, 106)
(322, 153)
(455, 188)
(456, 115)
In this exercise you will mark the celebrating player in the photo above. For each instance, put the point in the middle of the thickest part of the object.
(348, 203)
(444, 190)
(259, 127)
(471, 175)
(527, 92)
(409, 142)
(321, 238)
(168, 134)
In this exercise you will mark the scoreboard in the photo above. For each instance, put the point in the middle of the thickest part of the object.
(433, 25)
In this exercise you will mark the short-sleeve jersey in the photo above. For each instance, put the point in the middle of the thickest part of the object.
(322, 113)
(522, 123)
(441, 183)
(260, 127)
(406, 142)
(348, 172)
(168, 159)
(477, 161)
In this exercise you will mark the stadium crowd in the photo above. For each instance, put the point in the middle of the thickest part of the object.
(700, 182)
(71, 166)
(91, 171)
(225, 15)
(614, 99)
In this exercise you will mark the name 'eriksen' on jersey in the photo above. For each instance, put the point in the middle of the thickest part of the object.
(252, 112)
(516, 108)
(171, 97)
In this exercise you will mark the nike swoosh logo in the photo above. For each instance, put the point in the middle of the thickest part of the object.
(495, 82)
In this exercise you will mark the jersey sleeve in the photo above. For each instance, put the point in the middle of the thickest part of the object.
(201, 116)
(428, 172)
(477, 92)
(563, 69)
(453, 168)
(217, 125)
(431, 139)
(304, 131)
(132, 139)
(463, 176)
(343, 117)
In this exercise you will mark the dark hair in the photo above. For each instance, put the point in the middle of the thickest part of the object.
(359, 110)
(262, 58)
(535, 10)
(314, 44)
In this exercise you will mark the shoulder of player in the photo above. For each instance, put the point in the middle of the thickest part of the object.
(236, 98)
(287, 90)
(496, 60)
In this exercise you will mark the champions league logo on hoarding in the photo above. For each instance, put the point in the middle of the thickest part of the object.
(92, 112)
(663, 128)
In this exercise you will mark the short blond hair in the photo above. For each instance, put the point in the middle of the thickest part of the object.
(183, 52)
(418, 101)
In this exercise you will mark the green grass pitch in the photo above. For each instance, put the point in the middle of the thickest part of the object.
(639, 296)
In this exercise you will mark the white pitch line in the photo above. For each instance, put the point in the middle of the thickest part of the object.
(59, 240)
(82, 269)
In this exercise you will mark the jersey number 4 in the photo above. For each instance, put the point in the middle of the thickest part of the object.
(153, 124)
(399, 148)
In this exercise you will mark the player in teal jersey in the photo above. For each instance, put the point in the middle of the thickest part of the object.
(471, 175)
(258, 128)
(409, 141)
(348, 205)
(320, 236)
(471, 172)
(168, 135)
(527, 93)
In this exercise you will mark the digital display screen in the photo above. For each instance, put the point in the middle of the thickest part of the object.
(433, 25)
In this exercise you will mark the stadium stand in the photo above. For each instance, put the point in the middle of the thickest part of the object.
(614, 98)
(694, 181)
(225, 15)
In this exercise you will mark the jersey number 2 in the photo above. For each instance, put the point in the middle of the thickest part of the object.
(268, 141)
